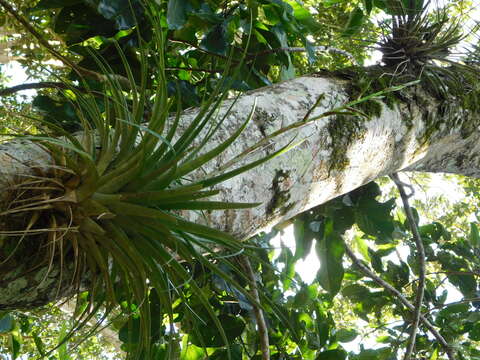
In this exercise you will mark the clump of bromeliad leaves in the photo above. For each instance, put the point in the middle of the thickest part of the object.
(106, 210)
(421, 42)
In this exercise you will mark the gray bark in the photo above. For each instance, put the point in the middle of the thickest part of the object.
(337, 155)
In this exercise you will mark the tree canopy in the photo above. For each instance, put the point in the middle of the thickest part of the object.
(120, 71)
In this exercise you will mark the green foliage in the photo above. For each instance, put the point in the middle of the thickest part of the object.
(354, 22)
(200, 36)
(106, 207)
(418, 43)
(171, 296)
(60, 113)
(330, 253)
(367, 299)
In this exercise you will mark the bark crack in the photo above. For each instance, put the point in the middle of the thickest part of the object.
(281, 194)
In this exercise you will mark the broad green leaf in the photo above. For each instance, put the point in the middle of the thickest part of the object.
(374, 218)
(330, 250)
(62, 349)
(474, 235)
(177, 13)
(379, 354)
(52, 4)
(191, 352)
(474, 334)
(233, 327)
(39, 343)
(381, 4)
(299, 235)
(454, 309)
(435, 230)
(236, 353)
(15, 345)
(346, 335)
(336, 354)
(467, 284)
(206, 13)
(323, 326)
(125, 13)
(300, 12)
(362, 246)
(216, 40)
(375, 260)
(397, 275)
(356, 292)
(78, 22)
(271, 14)
(368, 6)
(305, 295)
(7, 323)
(130, 332)
(354, 23)
(57, 112)
(288, 272)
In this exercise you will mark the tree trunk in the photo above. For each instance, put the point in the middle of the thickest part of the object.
(338, 154)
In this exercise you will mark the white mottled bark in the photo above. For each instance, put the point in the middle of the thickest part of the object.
(338, 154)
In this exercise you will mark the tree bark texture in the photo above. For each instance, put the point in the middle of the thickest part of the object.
(338, 154)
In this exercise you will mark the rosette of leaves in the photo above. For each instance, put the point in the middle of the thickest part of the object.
(418, 43)
(413, 37)
(109, 202)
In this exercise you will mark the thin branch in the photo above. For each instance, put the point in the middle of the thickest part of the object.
(302, 49)
(464, 301)
(195, 46)
(49, 85)
(421, 263)
(369, 273)
(262, 325)
(60, 85)
(460, 273)
(381, 326)
(251, 56)
(39, 85)
(212, 71)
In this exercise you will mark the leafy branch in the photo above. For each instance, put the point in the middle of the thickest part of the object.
(369, 273)
(81, 71)
(38, 85)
